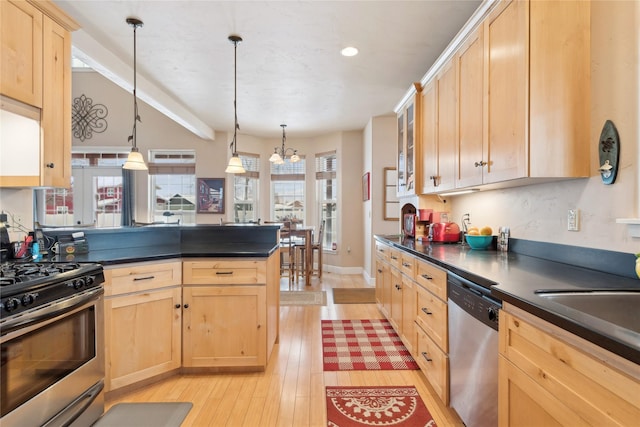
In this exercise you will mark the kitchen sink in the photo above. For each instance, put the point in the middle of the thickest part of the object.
(619, 307)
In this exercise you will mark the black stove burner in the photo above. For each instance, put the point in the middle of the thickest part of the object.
(25, 286)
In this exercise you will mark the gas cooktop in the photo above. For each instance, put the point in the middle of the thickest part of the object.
(27, 285)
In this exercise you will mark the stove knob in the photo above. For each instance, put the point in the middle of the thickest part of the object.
(493, 314)
(78, 283)
(11, 304)
(90, 280)
(28, 299)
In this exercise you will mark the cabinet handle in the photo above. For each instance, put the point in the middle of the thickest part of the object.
(224, 273)
(480, 164)
(379, 271)
(50, 165)
(186, 306)
(426, 310)
(426, 276)
(398, 287)
(404, 264)
(144, 278)
(178, 306)
(434, 178)
(394, 258)
(426, 357)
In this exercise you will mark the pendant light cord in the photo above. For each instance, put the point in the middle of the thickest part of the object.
(135, 23)
(235, 93)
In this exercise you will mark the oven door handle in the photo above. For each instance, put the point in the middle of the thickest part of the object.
(76, 408)
(50, 311)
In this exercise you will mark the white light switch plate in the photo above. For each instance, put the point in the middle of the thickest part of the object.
(573, 220)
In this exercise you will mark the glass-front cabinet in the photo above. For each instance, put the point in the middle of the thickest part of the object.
(409, 145)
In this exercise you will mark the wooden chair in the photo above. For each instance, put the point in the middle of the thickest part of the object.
(316, 246)
(287, 253)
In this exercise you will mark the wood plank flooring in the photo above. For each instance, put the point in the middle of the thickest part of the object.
(291, 391)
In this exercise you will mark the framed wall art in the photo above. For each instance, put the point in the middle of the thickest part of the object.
(210, 193)
(366, 186)
(391, 203)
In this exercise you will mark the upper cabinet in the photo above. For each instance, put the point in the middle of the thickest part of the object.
(409, 145)
(21, 43)
(36, 72)
(511, 105)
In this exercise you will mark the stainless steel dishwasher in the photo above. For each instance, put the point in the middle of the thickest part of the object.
(473, 351)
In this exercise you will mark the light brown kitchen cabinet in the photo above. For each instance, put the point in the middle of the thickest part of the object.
(409, 301)
(36, 71)
(409, 145)
(447, 126)
(383, 278)
(473, 149)
(395, 315)
(231, 309)
(431, 326)
(21, 52)
(430, 174)
(143, 322)
(550, 377)
(538, 83)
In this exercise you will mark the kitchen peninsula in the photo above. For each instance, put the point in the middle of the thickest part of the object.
(184, 298)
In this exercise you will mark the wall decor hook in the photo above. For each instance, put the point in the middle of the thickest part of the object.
(609, 153)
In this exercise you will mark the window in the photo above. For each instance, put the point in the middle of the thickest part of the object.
(327, 191)
(172, 180)
(94, 196)
(287, 189)
(245, 189)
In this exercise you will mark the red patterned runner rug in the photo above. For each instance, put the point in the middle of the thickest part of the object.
(376, 406)
(363, 345)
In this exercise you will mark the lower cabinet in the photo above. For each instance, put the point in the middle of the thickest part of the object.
(143, 322)
(224, 326)
(230, 312)
(550, 377)
(434, 364)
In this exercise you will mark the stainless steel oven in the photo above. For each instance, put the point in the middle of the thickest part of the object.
(52, 352)
(473, 351)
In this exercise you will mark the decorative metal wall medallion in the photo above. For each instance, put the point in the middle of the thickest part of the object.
(609, 152)
(88, 118)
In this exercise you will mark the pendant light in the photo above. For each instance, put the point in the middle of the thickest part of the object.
(235, 163)
(135, 161)
(278, 157)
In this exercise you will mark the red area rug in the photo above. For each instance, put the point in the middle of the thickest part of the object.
(363, 345)
(376, 406)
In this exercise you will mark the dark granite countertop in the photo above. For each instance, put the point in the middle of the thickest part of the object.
(515, 278)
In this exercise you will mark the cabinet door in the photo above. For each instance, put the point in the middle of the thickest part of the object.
(56, 109)
(408, 313)
(380, 265)
(142, 336)
(396, 300)
(387, 290)
(430, 137)
(224, 326)
(507, 32)
(447, 126)
(402, 161)
(471, 144)
(21, 52)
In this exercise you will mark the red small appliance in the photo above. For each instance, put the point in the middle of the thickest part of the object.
(445, 232)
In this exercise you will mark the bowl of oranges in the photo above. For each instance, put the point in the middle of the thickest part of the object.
(479, 238)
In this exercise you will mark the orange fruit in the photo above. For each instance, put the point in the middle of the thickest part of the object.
(473, 231)
(486, 231)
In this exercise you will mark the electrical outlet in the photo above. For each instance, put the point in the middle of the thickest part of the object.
(573, 220)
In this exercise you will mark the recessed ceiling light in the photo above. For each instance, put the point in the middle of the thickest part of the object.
(349, 51)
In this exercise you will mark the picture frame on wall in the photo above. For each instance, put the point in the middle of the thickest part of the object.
(210, 193)
(366, 186)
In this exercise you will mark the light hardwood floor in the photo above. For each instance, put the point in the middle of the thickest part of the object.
(290, 392)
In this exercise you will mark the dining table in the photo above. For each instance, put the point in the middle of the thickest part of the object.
(306, 234)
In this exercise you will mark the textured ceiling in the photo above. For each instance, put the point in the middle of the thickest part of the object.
(289, 67)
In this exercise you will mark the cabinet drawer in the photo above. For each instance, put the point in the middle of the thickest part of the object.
(382, 251)
(434, 364)
(432, 278)
(408, 265)
(601, 388)
(432, 317)
(142, 277)
(394, 257)
(224, 272)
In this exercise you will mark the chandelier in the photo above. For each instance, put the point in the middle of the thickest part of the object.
(278, 156)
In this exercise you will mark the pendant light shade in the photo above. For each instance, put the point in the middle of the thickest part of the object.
(278, 156)
(235, 162)
(135, 161)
